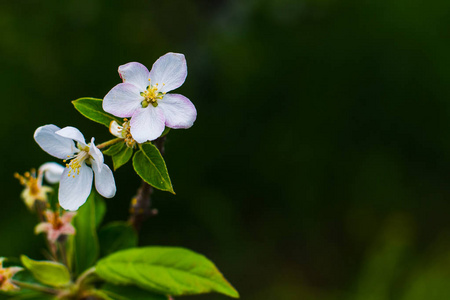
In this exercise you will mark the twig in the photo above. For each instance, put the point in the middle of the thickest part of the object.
(140, 208)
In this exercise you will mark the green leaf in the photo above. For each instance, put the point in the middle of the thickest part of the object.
(164, 270)
(121, 292)
(150, 166)
(86, 247)
(92, 109)
(117, 236)
(47, 272)
(122, 157)
(165, 132)
(114, 149)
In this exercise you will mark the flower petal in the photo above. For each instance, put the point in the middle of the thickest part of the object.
(179, 111)
(52, 143)
(72, 133)
(73, 191)
(135, 73)
(147, 124)
(68, 216)
(42, 227)
(169, 72)
(104, 182)
(67, 229)
(115, 129)
(52, 171)
(96, 156)
(123, 100)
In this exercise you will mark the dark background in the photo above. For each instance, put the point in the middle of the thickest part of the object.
(318, 166)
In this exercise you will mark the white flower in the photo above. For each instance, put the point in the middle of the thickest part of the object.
(76, 180)
(34, 190)
(143, 97)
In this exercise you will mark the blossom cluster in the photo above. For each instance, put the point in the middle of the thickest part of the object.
(142, 98)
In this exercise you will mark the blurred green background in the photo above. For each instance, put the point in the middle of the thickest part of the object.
(319, 164)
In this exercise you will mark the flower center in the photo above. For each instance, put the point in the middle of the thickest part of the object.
(126, 134)
(151, 96)
(56, 222)
(77, 161)
(29, 180)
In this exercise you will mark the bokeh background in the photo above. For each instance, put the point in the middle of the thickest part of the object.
(318, 167)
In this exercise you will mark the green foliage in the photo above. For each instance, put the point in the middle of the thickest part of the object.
(121, 292)
(92, 109)
(116, 236)
(86, 247)
(100, 210)
(47, 272)
(120, 154)
(165, 270)
(150, 166)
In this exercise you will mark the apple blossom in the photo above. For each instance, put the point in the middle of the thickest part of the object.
(143, 97)
(76, 180)
(5, 277)
(56, 225)
(34, 190)
(122, 132)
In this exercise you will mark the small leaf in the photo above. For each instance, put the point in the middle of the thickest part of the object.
(92, 109)
(86, 247)
(114, 149)
(164, 270)
(121, 292)
(47, 272)
(150, 166)
(165, 132)
(117, 236)
(122, 157)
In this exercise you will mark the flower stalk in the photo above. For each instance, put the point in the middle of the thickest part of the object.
(140, 207)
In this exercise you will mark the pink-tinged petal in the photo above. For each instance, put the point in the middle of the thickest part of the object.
(123, 100)
(42, 227)
(74, 191)
(178, 111)
(104, 182)
(52, 171)
(96, 156)
(135, 73)
(115, 129)
(72, 133)
(169, 72)
(66, 229)
(14, 270)
(147, 124)
(53, 235)
(52, 143)
(50, 216)
(68, 216)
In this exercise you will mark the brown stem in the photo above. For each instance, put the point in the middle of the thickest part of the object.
(140, 208)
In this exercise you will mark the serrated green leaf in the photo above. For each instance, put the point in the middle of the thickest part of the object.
(114, 149)
(122, 292)
(151, 167)
(92, 109)
(47, 272)
(164, 270)
(86, 247)
(116, 236)
(122, 157)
